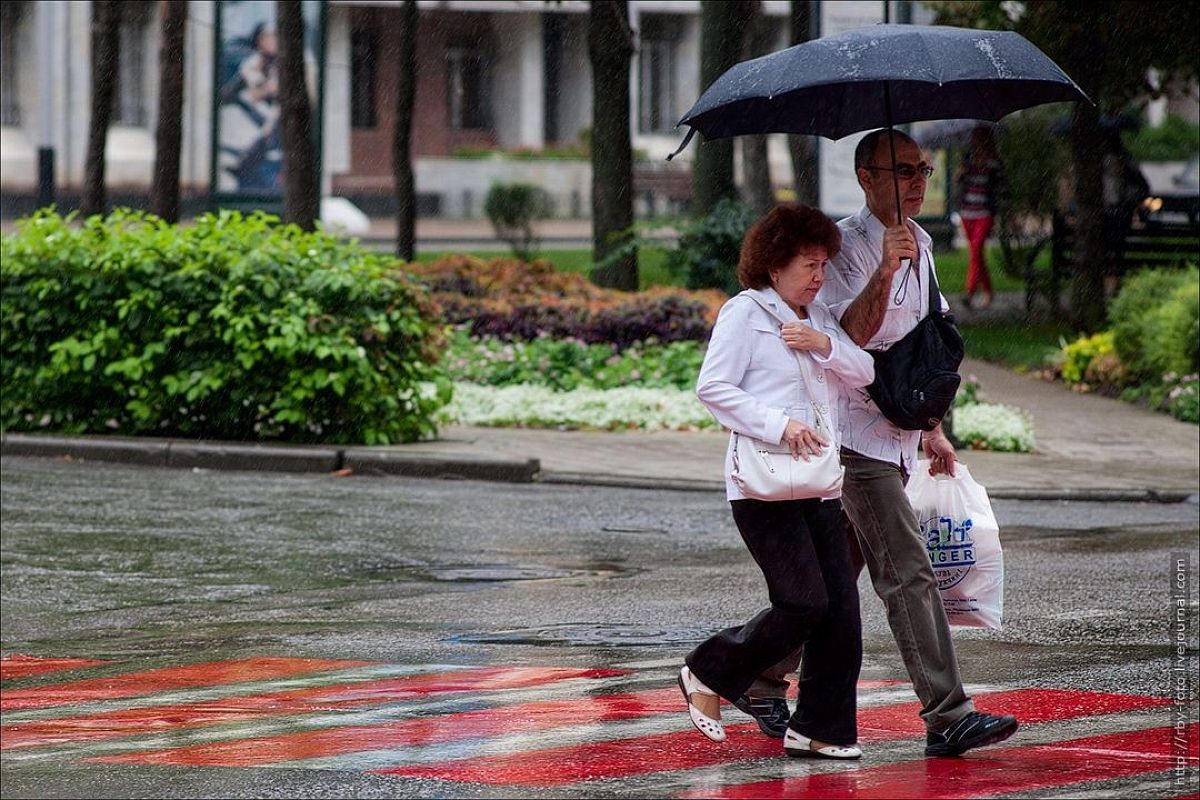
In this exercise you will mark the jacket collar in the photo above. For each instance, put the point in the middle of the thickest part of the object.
(776, 302)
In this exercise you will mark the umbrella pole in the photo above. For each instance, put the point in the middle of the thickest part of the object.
(887, 101)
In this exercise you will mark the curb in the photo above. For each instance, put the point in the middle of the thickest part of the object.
(187, 454)
(1050, 495)
(180, 454)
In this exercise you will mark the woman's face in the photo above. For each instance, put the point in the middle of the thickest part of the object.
(798, 281)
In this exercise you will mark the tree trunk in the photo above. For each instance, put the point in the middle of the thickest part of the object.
(803, 149)
(610, 48)
(722, 26)
(756, 166)
(1089, 254)
(1084, 58)
(105, 43)
(168, 132)
(402, 167)
(301, 192)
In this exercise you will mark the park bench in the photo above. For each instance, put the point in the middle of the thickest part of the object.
(664, 189)
(1148, 243)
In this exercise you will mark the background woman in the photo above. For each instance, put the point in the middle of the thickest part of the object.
(980, 180)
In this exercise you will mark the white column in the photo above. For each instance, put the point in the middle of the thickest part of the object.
(518, 93)
(197, 95)
(335, 132)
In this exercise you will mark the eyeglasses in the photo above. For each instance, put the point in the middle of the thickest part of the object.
(908, 171)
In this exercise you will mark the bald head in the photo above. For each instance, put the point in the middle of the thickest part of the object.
(874, 148)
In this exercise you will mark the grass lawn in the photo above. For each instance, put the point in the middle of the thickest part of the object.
(1021, 346)
(952, 272)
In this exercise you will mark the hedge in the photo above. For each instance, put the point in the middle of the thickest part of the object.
(232, 328)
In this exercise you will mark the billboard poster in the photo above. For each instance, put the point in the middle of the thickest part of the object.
(247, 155)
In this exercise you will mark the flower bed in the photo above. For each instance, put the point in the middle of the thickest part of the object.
(512, 300)
(989, 426)
(531, 406)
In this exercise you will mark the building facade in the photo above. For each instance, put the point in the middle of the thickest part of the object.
(503, 94)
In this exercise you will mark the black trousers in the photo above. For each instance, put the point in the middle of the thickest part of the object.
(801, 548)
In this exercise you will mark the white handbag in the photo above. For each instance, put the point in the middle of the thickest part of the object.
(764, 471)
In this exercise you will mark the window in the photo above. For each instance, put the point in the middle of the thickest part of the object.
(129, 95)
(363, 49)
(10, 61)
(656, 74)
(468, 100)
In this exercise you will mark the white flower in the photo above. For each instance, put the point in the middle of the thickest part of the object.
(991, 426)
(540, 407)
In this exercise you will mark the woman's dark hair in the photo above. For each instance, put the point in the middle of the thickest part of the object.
(775, 240)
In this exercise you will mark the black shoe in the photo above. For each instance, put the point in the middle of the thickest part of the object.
(976, 729)
(771, 713)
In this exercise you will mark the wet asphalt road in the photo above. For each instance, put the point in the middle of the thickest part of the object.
(154, 568)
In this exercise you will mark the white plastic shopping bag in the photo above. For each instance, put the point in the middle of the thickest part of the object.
(963, 540)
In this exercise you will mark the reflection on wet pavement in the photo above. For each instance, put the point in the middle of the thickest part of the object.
(545, 727)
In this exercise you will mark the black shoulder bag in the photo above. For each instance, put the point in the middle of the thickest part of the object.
(917, 377)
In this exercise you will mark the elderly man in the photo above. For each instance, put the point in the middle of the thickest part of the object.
(878, 285)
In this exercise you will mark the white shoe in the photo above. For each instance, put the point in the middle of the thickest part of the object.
(689, 684)
(794, 744)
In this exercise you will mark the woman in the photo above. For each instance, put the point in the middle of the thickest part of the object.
(980, 180)
(751, 382)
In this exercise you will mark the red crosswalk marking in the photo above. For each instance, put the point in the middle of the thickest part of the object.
(19, 666)
(989, 772)
(163, 680)
(688, 750)
(478, 724)
(288, 702)
(411, 739)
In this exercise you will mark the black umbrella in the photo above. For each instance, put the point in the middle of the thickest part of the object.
(949, 133)
(877, 77)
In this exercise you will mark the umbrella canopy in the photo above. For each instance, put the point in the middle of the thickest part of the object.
(950, 133)
(879, 76)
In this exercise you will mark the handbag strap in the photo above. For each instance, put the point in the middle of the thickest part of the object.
(821, 419)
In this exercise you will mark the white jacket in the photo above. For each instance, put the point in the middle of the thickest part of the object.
(750, 380)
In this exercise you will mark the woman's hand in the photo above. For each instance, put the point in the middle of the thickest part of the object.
(803, 440)
(799, 336)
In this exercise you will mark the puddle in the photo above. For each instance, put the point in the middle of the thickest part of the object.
(412, 570)
(590, 635)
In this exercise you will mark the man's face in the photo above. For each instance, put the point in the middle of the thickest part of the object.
(877, 181)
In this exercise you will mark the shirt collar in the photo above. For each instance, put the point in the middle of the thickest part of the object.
(875, 228)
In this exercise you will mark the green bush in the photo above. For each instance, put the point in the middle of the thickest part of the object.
(233, 328)
(1172, 332)
(709, 248)
(1175, 140)
(513, 208)
(1155, 325)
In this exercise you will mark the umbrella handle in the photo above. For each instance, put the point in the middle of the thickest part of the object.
(887, 102)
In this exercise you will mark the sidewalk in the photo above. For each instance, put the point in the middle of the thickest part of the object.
(1088, 447)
